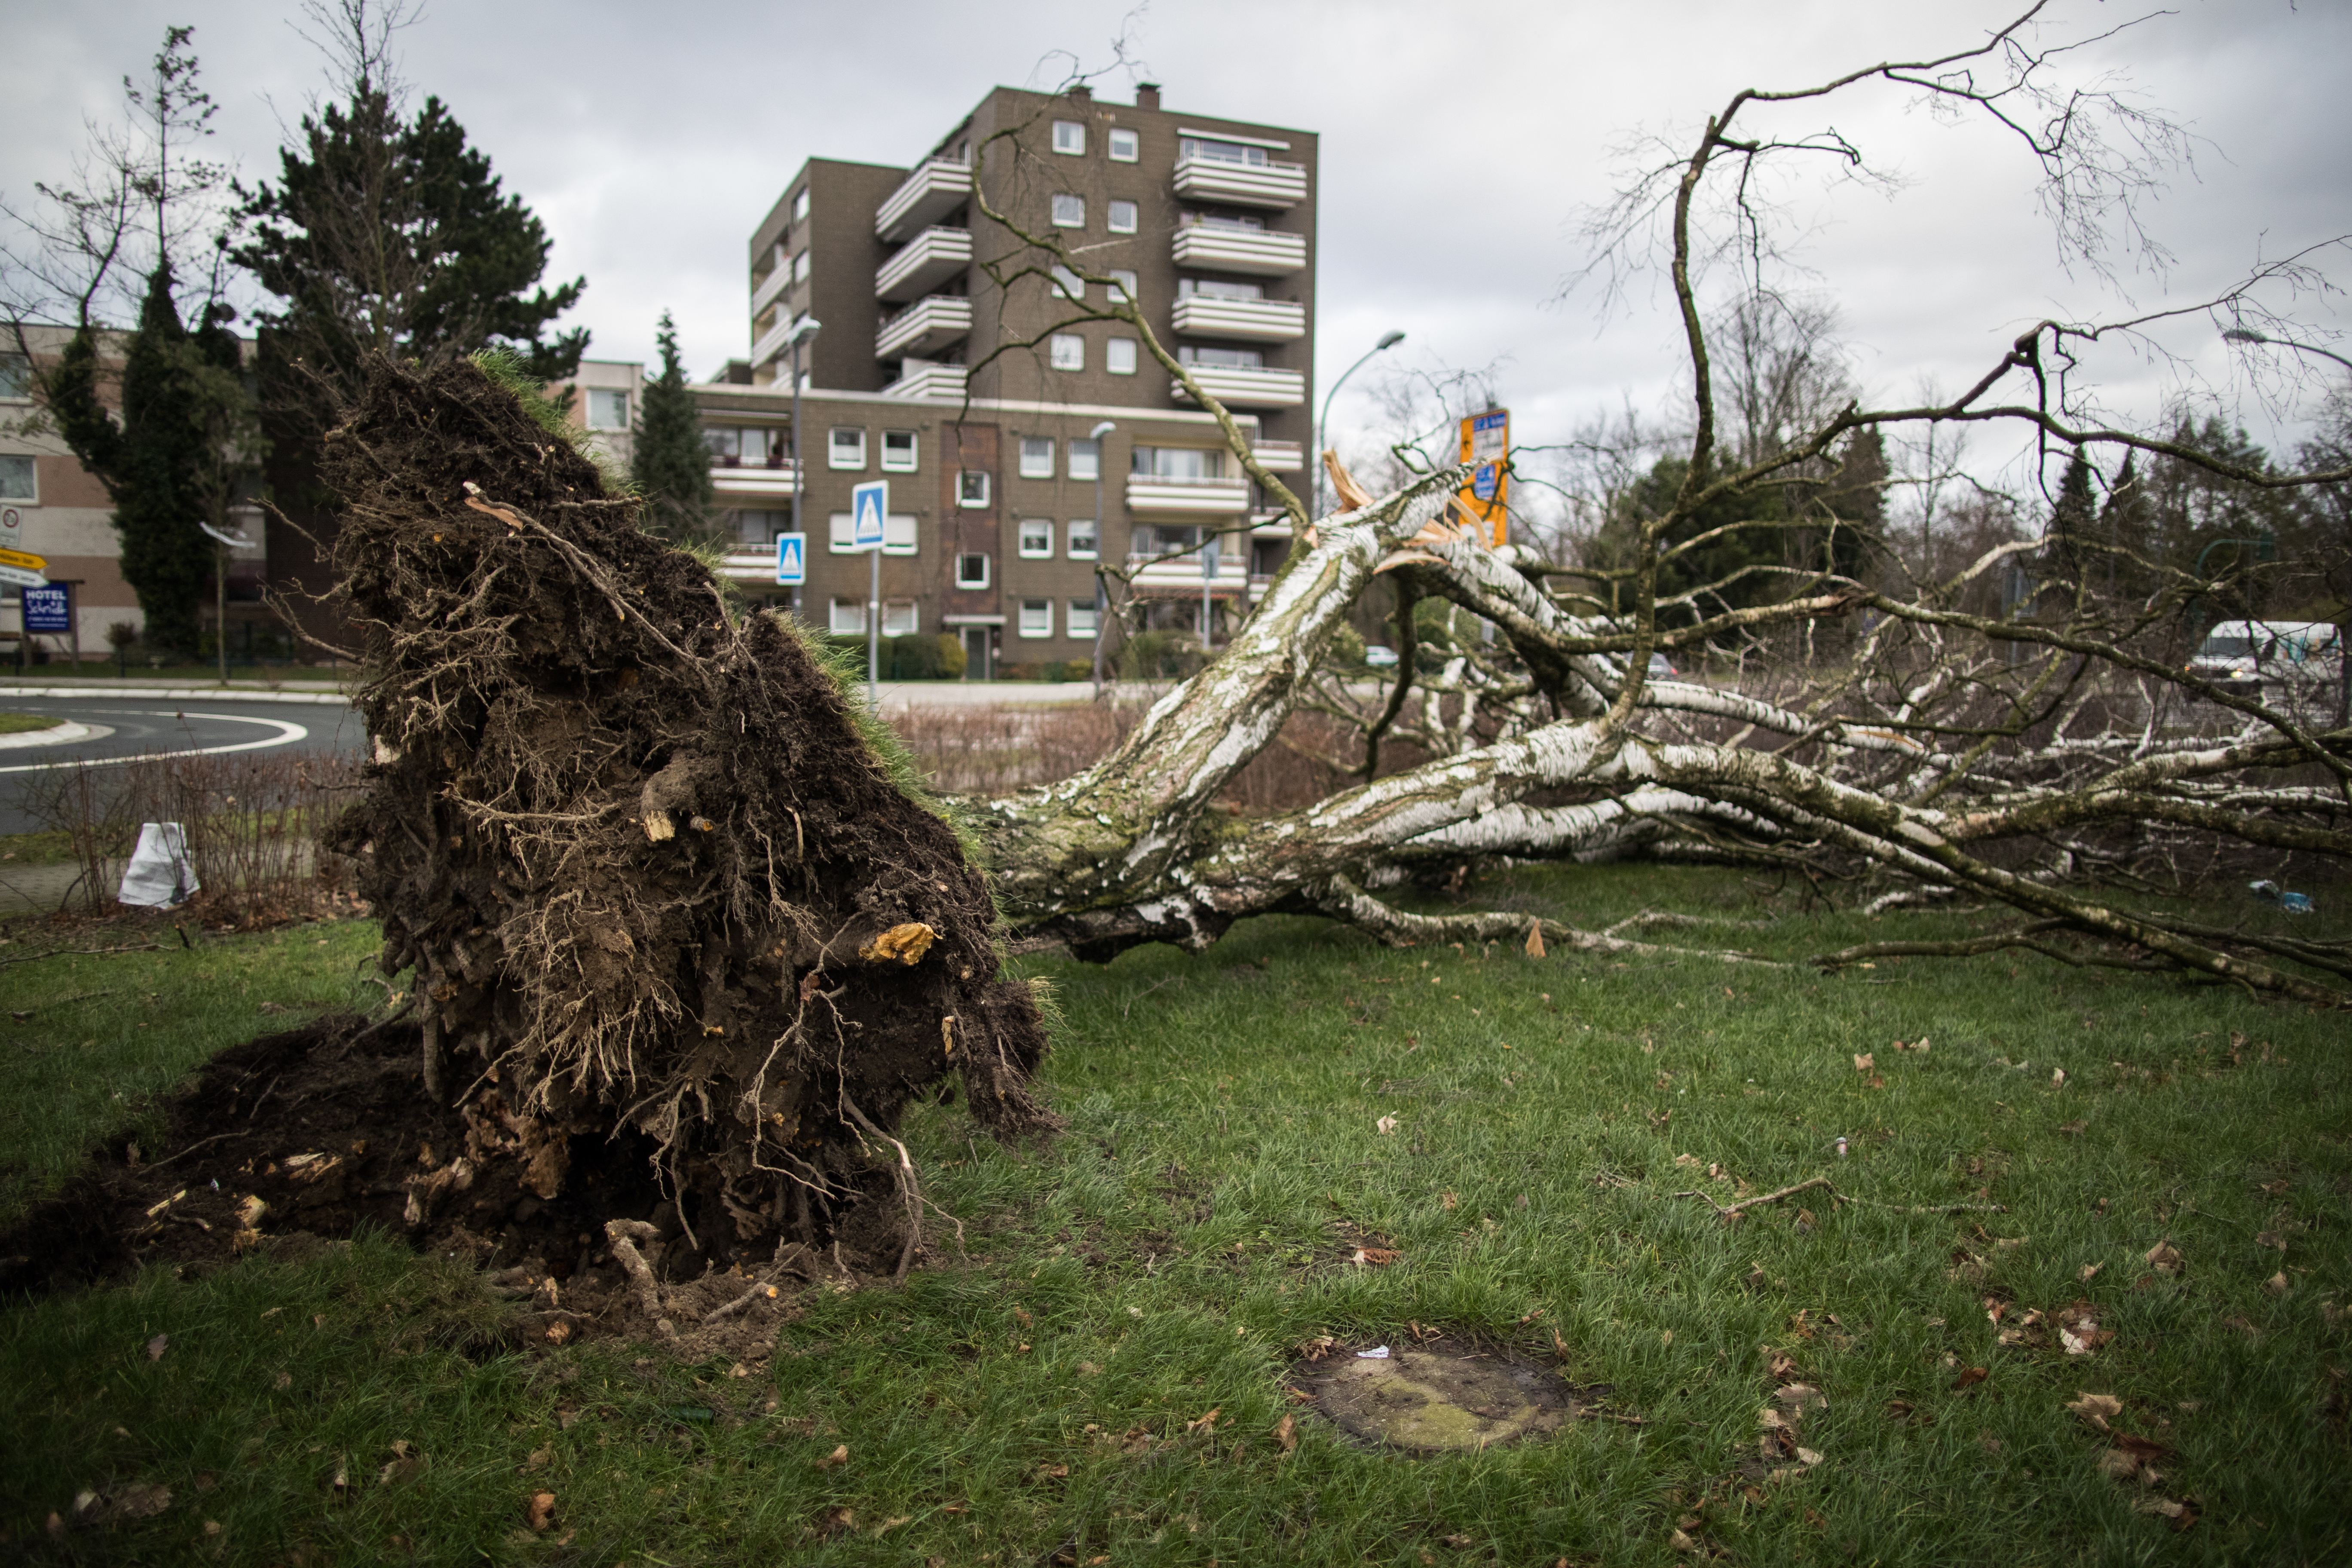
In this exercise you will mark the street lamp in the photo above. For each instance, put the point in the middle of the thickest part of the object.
(1323, 425)
(803, 331)
(1101, 599)
(2248, 336)
(225, 542)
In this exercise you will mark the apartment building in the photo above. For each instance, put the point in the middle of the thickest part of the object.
(979, 401)
(52, 507)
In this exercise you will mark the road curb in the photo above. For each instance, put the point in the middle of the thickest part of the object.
(175, 694)
(54, 735)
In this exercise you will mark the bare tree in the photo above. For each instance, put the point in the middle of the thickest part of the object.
(1926, 726)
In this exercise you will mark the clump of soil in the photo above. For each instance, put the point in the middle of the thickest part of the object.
(288, 1141)
(1437, 1396)
(660, 890)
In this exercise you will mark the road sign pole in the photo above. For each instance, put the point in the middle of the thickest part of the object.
(870, 512)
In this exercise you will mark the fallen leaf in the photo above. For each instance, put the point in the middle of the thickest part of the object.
(1802, 1396)
(1286, 1431)
(2277, 1284)
(557, 1332)
(1682, 1543)
(140, 1500)
(1378, 1257)
(1052, 1472)
(1808, 1457)
(2271, 1238)
(840, 1456)
(1450, 1201)
(1969, 1377)
(157, 1346)
(1459, 1543)
(1864, 1060)
(1203, 1423)
(2164, 1257)
(536, 1460)
(2088, 1269)
(1385, 1125)
(2071, 1127)
(2058, 1077)
(282, 1382)
(836, 1522)
(2118, 1465)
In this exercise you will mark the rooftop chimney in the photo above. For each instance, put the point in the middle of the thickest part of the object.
(1082, 92)
(1147, 95)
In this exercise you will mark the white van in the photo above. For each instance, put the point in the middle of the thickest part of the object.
(2239, 656)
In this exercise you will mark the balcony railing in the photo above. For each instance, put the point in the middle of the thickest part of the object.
(772, 478)
(1282, 457)
(1166, 497)
(1256, 252)
(934, 190)
(1237, 387)
(1252, 320)
(1179, 576)
(924, 328)
(771, 345)
(779, 278)
(749, 562)
(919, 380)
(1274, 185)
(925, 262)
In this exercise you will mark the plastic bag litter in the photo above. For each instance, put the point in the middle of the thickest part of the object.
(1378, 1353)
(160, 875)
(2268, 892)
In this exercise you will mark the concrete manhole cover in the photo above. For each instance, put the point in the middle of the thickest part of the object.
(1437, 1396)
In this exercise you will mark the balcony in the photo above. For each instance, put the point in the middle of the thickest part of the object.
(1254, 252)
(928, 195)
(1237, 387)
(772, 478)
(1179, 577)
(1164, 496)
(1272, 186)
(766, 292)
(1251, 321)
(924, 328)
(771, 345)
(927, 260)
(749, 563)
(916, 379)
(1282, 457)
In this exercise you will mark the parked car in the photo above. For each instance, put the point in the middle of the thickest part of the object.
(2239, 656)
(1381, 657)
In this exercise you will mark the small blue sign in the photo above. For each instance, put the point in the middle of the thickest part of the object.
(792, 560)
(1482, 483)
(48, 609)
(869, 504)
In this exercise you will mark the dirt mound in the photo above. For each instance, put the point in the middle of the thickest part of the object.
(287, 1142)
(659, 886)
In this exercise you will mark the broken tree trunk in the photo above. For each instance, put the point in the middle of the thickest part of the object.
(666, 897)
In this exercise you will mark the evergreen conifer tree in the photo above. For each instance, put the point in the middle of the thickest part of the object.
(2128, 528)
(2070, 536)
(668, 459)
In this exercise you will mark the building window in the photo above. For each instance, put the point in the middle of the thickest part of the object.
(1125, 146)
(1070, 137)
(1123, 284)
(800, 205)
(1118, 356)
(1121, 216)
(1082, 539)
(898, 451)
(1036, 457)
(1086, 458)
(1176, 463)
(1037, 539)
(755, 527)
(1069, 210)
(900, 619)
(899, 534)
(1068, 284)
(1222, 359)
(1068, 351)
(971, 487)
(1084, 622)
(1220, 152)
(848, 448)
(752, 444)
(848, 618)
(971, 571)
(608, 408)
(15, 377)
(1218, 289)
(18, 479)
(1036, 617)
(724, 442)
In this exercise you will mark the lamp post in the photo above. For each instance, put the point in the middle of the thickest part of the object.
(1102, 599)
(2248, 336)
(803, 331)
(1322, 426)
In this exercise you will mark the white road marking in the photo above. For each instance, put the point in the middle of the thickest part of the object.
(286, 734)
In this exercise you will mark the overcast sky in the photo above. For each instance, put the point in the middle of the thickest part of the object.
(1459, 146)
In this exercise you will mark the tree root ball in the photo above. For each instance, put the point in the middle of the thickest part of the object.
(653, 875)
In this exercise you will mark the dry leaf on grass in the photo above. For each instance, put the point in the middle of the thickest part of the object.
(140, 1500)
(157, 1346)
(2097, 1409)
(1385, 1125)
(2079, 1330)
(2277, 1283)
(1286, 1431)
(1802, 1398)
(2088, 1269)
(1203, 1423)
(1864, 1061)
(2164, 1257)
(2271, 1238)
(1969, 1377)
(540, 1513)
(1377, 1257)
(2075, 1126)
(840, 1456)
(836, 1522)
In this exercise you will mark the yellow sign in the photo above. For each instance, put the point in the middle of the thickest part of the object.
(1486, 441)
(24, 561)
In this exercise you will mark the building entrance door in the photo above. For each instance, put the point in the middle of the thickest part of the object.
(979, 643)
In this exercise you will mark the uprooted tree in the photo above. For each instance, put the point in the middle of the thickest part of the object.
(659, 878)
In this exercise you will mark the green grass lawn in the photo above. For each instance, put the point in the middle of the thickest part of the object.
(1225, 1158)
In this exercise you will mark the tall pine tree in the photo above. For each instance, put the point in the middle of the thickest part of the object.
(2069, 544)
(668, 459)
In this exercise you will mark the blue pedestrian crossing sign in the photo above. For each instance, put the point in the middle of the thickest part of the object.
(792, 560)
(868, 504)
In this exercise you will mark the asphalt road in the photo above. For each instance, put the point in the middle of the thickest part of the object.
(144, 727)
